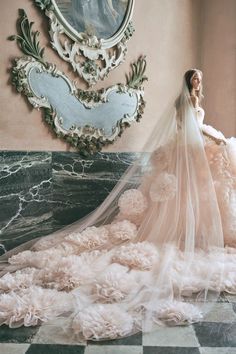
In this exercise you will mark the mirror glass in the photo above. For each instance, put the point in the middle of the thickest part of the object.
(73, 114)
(100, 18)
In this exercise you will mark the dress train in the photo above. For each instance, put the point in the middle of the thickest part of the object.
(120, 277)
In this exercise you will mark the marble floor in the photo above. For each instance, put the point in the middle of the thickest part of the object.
(215, 335)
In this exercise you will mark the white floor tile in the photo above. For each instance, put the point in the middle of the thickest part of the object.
(221, 312)
(55, 334)
(180, 336)
(113, 349)
(12, 348)
(217, 350)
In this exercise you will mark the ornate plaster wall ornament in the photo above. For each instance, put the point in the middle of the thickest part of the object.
(87, 120)
(77, 31)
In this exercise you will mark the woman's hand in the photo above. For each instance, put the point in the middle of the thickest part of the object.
(218, 141)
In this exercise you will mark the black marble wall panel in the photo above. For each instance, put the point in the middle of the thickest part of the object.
(80, 185)
(25, 196)
(41, 192)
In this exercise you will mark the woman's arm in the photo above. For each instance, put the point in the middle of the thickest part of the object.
(178, 120)
(213, 134)
(218, 141)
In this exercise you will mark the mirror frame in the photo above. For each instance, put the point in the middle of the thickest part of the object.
(89, 56)
(87, 139)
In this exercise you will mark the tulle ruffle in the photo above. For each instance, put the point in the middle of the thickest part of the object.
(100, 289)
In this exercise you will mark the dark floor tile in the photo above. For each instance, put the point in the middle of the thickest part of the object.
(136, 339)
(17, 335)
(222, 298)
(234, 306)
(170, 350)
(55, 349)
(211, 334)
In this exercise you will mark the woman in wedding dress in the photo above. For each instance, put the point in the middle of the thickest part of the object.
(159, 249)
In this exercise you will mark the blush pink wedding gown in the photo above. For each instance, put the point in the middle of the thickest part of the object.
(153, 262)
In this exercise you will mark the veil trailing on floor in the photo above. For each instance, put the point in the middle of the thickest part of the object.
(152, 252)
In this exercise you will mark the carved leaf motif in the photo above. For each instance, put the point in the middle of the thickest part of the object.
(87, 138)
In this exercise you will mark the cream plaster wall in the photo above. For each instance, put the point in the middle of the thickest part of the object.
(173, 34)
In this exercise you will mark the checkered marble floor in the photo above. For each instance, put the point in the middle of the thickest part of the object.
(215, 335)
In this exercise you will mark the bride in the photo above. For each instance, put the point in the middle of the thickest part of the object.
(159, 249)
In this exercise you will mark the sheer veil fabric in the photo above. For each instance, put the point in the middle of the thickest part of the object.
(152, 253)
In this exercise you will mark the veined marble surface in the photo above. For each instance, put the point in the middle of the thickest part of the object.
(25, 196)
(80, 185)
(41, 192)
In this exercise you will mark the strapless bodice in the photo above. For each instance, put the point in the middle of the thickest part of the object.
(200, 113)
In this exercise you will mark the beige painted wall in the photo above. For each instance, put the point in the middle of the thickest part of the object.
(174, 34)
(218, 61)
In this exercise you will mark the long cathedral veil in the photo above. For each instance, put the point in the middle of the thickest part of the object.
(171, 263)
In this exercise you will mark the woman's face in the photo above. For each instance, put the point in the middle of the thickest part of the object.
(196, 81)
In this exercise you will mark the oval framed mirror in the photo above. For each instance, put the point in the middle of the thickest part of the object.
(106, 20)
(90, 34)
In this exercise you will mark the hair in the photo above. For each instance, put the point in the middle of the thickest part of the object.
(187, 79)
